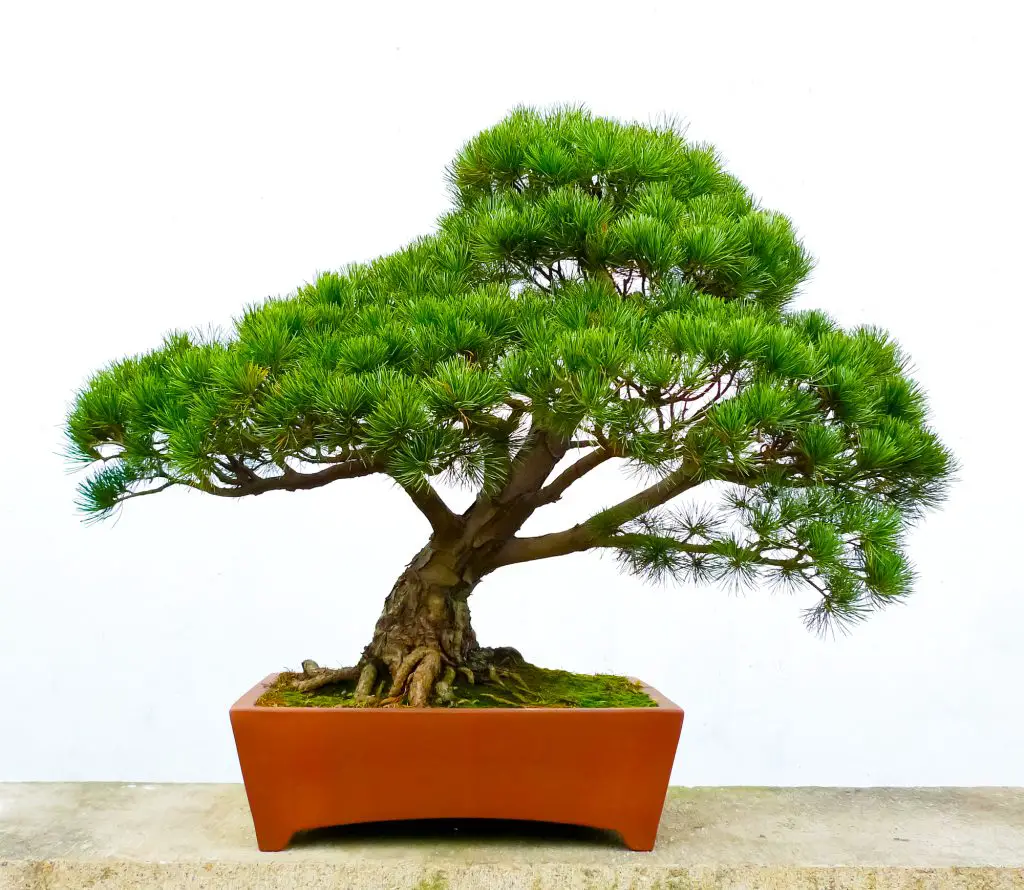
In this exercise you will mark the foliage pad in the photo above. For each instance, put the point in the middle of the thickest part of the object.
(606, 287)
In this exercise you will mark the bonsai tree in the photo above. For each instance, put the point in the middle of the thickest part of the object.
(599, 292)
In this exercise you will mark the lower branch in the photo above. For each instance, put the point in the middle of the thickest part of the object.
(599, 527)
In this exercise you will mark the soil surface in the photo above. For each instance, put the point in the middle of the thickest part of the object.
(530, 687)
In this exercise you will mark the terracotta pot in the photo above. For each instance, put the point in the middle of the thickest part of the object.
(313, 767)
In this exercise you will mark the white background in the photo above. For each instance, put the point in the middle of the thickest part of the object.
(163, 165)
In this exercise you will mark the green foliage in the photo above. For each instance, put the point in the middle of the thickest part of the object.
(847, 547)
(607, 283)
(540, 195)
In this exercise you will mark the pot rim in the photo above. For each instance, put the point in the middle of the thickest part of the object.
(248, 703)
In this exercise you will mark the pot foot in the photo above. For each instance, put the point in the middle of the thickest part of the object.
(273, 839)
(641, 840)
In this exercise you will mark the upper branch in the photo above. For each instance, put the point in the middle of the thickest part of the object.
(556, 488)
(533, 465)
(442, 520)
(502, 515)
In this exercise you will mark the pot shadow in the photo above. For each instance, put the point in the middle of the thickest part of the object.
(490, 832)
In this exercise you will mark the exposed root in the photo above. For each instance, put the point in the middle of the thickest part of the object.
(405, 668)
(438, 681)
(367, 677)
(443, 690)
(421, 684)
(498, 676)
(482, 658)
(313, 676)
(424, 676)
(504, 701)
(515, 677)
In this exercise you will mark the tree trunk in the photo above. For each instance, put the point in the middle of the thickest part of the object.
(424, 628)
(423, 638)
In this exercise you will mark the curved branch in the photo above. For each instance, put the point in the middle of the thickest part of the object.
(599, 526)
(442, 520)
(516, 550)
(139, 494)
(795, 563)
(556, 488)
(675, 483)
(580, 538)
(291, 480)
(498, 517)
(533, 464)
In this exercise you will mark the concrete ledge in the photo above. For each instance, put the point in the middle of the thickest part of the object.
(105, 836)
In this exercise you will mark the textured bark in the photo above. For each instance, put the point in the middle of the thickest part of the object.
(426, 608)
(424, 638)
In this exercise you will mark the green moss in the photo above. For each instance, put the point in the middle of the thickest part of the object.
(540, 688)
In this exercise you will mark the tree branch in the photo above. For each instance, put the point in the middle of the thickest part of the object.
(516, 550)
(556, 488)
(139, 494)
(501, 516)
(292, 481)
(617, 541)
(675, 483)
(442, 520)
(532, 465)
(599, 526)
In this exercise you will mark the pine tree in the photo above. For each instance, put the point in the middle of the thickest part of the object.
(598, 292)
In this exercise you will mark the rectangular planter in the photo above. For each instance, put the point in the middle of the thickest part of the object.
(313, 767)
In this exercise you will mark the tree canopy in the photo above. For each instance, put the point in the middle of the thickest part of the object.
(606, 285)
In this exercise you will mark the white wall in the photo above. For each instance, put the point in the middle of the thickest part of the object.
(162, 166)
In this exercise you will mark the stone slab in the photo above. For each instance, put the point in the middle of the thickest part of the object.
(106, 836)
